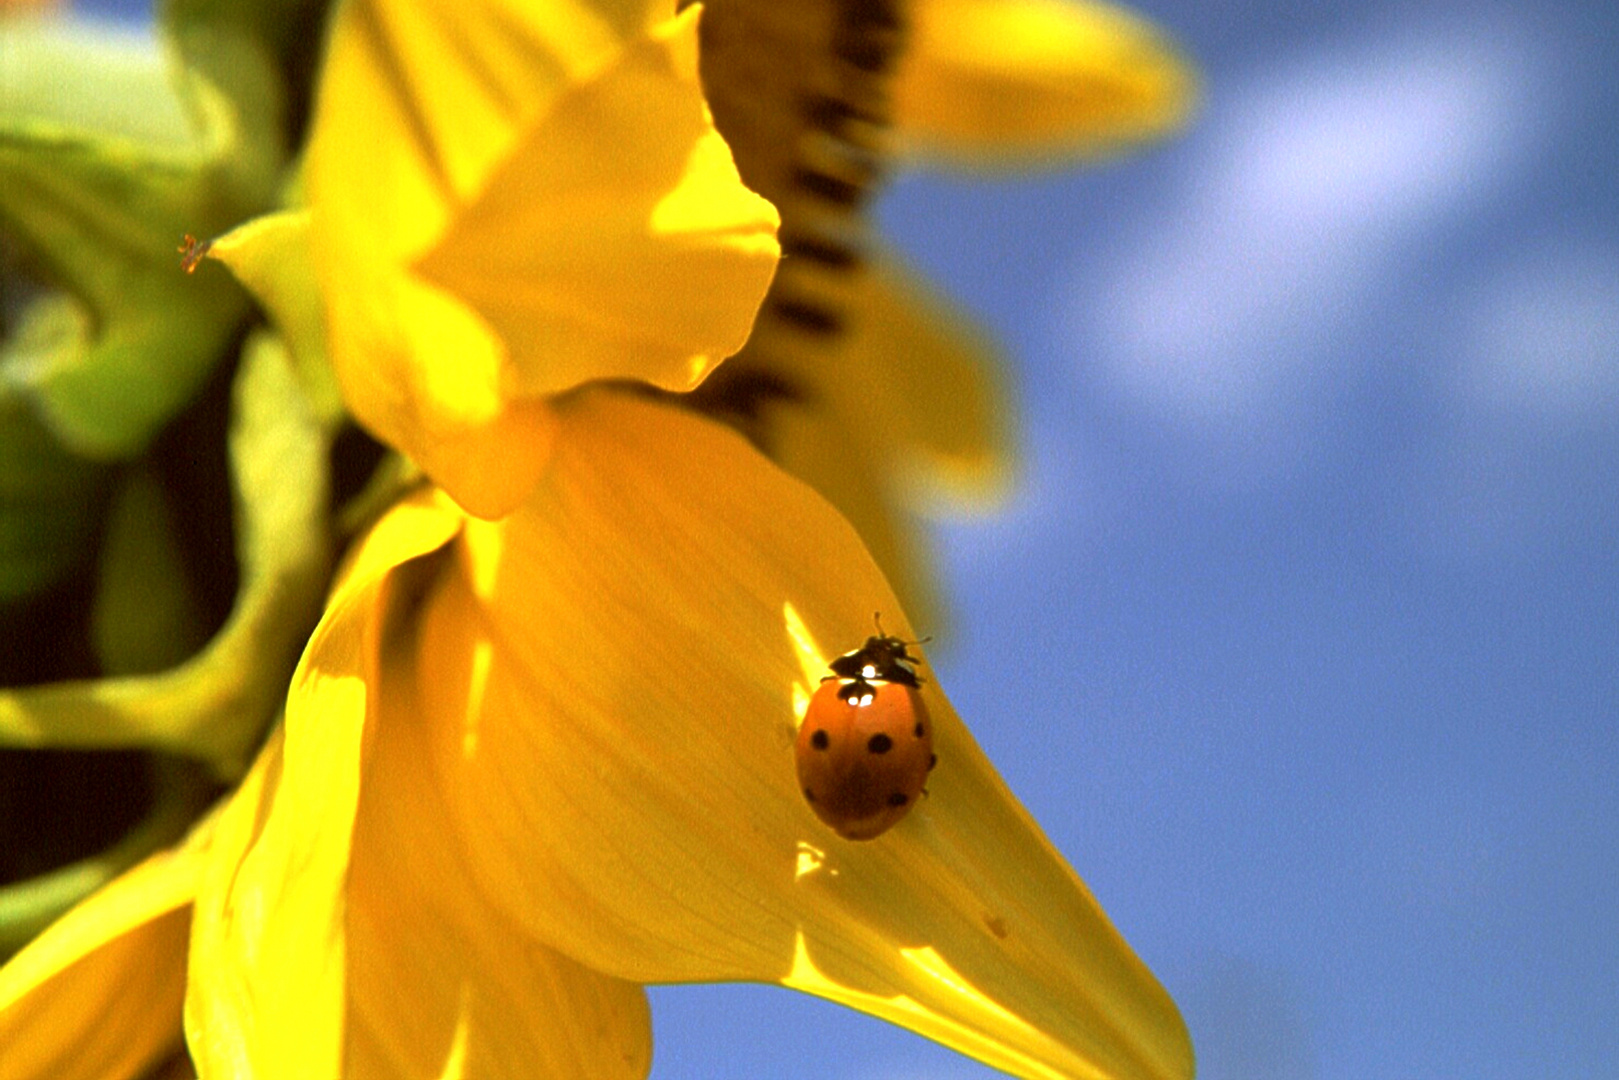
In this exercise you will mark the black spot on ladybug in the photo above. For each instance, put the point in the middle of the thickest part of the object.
(898, 799)
(809, 795)
(933, 759)
(820, 740)
(880, 744)
(920, 730)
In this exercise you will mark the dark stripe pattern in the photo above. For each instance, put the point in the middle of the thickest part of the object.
(801, 91)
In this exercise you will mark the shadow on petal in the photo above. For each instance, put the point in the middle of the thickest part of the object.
(439, 985)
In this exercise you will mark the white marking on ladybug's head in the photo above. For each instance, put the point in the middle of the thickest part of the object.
(869, 671)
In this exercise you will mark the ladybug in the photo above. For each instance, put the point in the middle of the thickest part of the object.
(866, 744)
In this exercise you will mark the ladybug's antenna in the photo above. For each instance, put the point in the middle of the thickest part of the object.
(877, 617)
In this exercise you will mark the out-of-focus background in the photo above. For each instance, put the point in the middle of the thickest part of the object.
(1300, 635)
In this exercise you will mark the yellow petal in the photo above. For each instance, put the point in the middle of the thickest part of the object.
(617, 240)
(266, 992)
(511, 200)
(336, 924)
(420, 103)
(97, 995)
(440, 986)
(609, 689)
(425, 374)
(984, 82)
(271, 256)
(490, 1005)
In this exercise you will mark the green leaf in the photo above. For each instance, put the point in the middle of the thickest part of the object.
(216, 705)
(51, 500)
(105, 228)
(90, 78)
(101, 209)
(263, 55)
(30, 905)
(146, 617)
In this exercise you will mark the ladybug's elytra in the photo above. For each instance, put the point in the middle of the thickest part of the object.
(866, 744)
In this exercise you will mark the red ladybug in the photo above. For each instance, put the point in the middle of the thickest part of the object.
(866, 744)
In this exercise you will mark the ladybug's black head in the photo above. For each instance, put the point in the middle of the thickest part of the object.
(882, 657)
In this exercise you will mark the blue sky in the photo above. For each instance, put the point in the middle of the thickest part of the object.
(1299, 634)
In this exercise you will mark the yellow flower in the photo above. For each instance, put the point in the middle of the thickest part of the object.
(538, 751)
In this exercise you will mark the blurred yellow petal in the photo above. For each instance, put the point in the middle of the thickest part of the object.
(932, 393)
(988, 82)
(65, 999)
(512, 199)
(901, 414)
(622, 773)
(917, 384)
(266, 992)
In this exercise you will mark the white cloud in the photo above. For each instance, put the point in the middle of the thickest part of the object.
(1306, 195)
(1518, 460)
(1541, 335)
